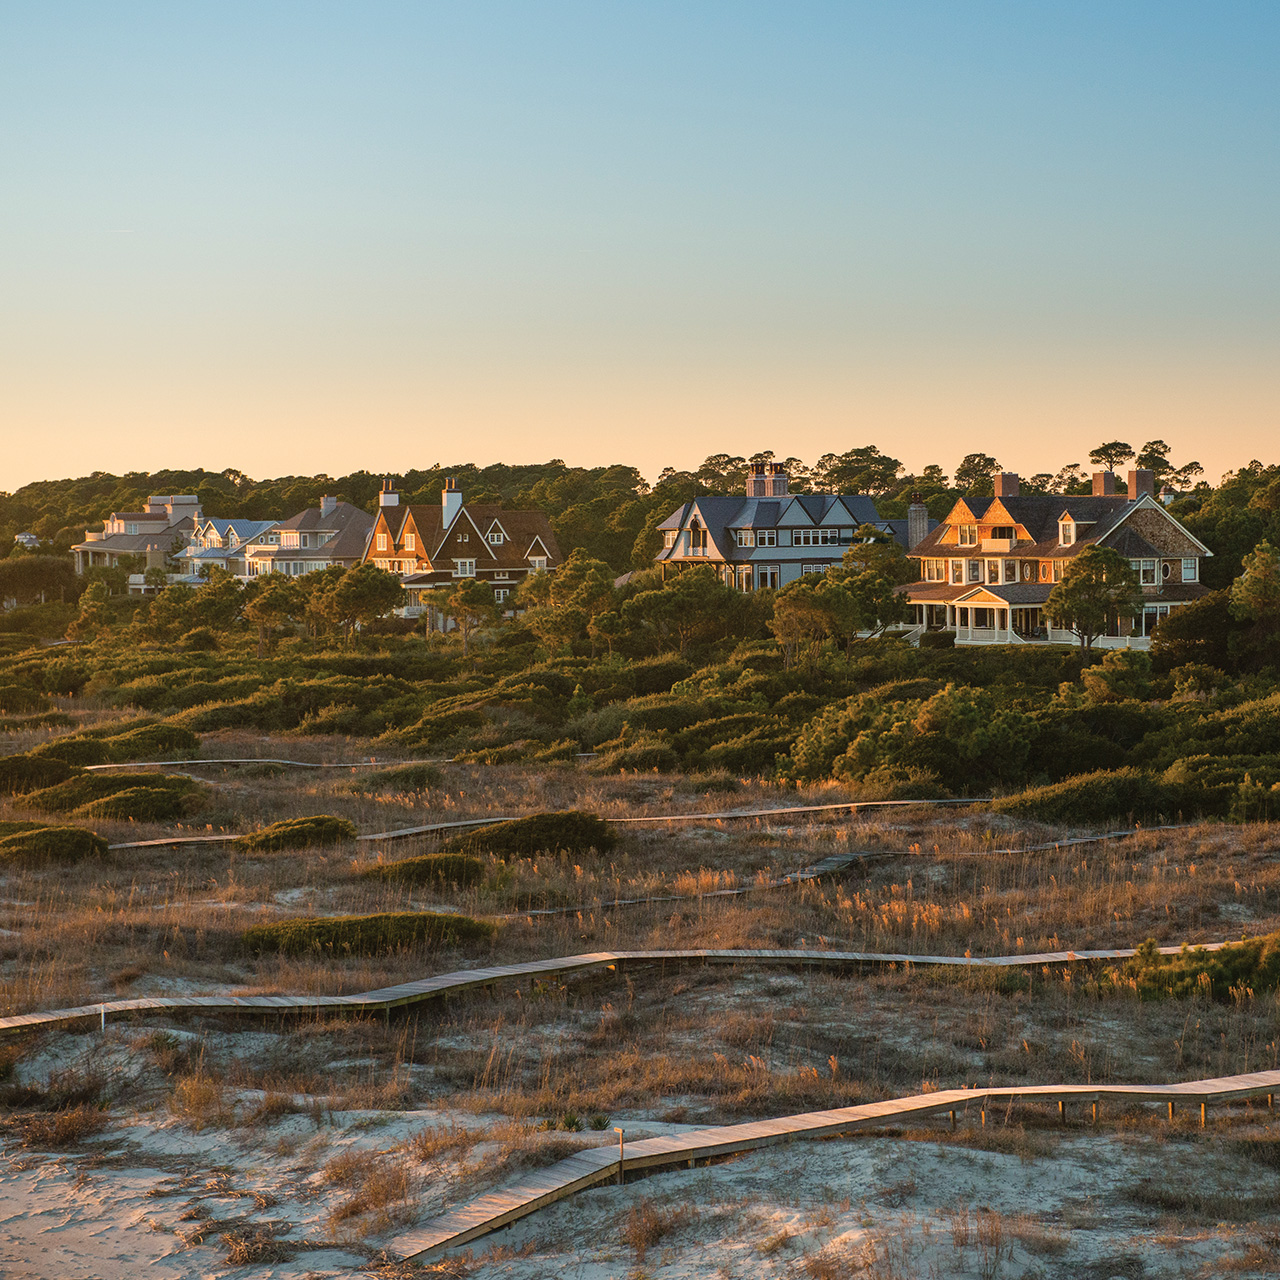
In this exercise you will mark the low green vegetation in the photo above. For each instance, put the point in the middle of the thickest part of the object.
(433, 870)
(370, 935)
(88, 788)
(23, 773)
(51, 844)
(139, 804)
(568, 832)
(1239, 971)
(399, 780)
(314, 832)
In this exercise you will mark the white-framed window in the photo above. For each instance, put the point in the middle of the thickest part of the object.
(766, 537)
(1011, 571)
(968, 535)
(502, 575)
(411, 542)
(501, 593)
(935, 571)
(697, 542)
(669, 537)
(1190, 569)
(975, 570)
(306, 540)
(1059, 568)
(539, 563)
(993, 571)
(815, 538)
(464, 536)
(464, 569)
(1146, 571)
(746, 537)
(496, 538)
(1166, 570)
(812, 568)
(957, 571)
(382, 542)
(1066, 533)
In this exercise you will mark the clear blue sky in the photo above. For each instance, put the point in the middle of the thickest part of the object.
(293, 237)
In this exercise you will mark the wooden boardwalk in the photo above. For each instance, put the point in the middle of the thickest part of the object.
(601, 1164)
(407, 993)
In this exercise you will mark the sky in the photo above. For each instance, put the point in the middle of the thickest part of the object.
(316, 237)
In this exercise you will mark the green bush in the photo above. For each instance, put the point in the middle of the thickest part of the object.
(657, 675)
(33, 773)
(400, 780)
(643, 753)
(1096, 797)
(152, 740)
(88, 787)
(569, 831)
(299, 833)
(367, 935)
(938, 640)
(1253, 965)
(434, 869)
(139, 804)
(74, 750)
(53, 844)
(18, 700)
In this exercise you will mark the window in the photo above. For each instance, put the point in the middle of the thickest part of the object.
(502, 576)
(957, 571)
(812, 568)
(501, 593)
(496, 538)
(935, 571)
(746, 538)
(1059, 568)
(668, 537)
(1166, 570)
(697, 542)
(539, 563)
(306, 541)
(766, 537)
(1146, 571)
(968, 535)
(1066, 533)
(1011, 571)
(993, 571)
(1191, 569)
(815, 538)
(464, 537)
(1004, 531)
(975, 570)
(464, 569)
(411, 542)
(382, 542)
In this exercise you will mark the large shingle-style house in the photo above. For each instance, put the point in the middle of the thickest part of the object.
(988, 568)
(218, 543)
(163, 528)
(332, 534)
(431, 545)
(771, 536)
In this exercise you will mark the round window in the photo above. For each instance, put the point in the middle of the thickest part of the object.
(1166, 570)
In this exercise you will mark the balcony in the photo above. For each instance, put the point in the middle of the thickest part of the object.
(999, 544)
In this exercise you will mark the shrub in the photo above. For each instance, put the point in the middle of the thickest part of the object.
(88, 787)
(367, 935)
(938, 640)
(1253, 965)
(400, 780)
(53, 844)
(139, 804)
(152, 740)
(640, 752)
(570, 831)
(657, 675)
(299, 833)
(74, 750)
(1096, 797)
(199, 640)
(17, 700)
(435, 869)
(32, 773)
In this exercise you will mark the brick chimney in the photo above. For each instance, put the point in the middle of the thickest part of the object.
(1006, 484)
(450, 501)
(778, 480)
(917, 522)
(1140, 482)
(757, 481)
(328, 504)
(1104, 484)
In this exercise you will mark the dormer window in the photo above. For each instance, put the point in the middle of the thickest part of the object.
(746, 538)
(968, 535)
(1066, 533)
(411, 542)
(496, 538)
(668, 537)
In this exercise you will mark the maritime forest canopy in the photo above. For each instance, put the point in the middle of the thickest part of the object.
(685, 674)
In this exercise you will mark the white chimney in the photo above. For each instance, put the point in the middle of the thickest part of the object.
(450, 501)
(388, 497)
(328, 505)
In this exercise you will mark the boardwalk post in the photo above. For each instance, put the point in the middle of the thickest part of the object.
(983, 1114)
(1095, 1113)
(1062, 1111)
(953, 1119)
(622, 1134)
(1170, 1110)
(102, 1011)
(1204, 1114)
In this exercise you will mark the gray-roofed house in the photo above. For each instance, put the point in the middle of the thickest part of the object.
(159, 531)
(221, 543)
(333, 534)
(770, 536)
(988, 568)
